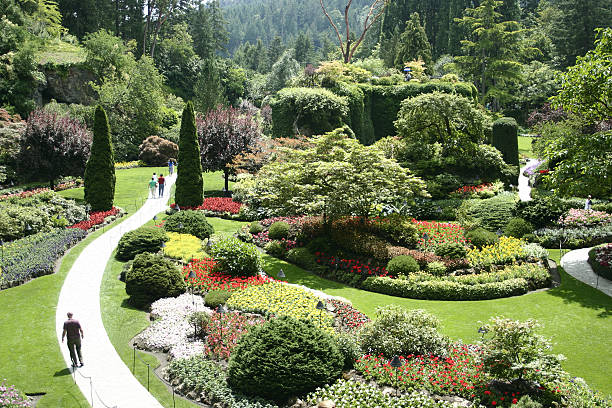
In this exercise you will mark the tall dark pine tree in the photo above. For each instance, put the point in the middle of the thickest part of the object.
(413, 44)
(189, 185)
(100, 169)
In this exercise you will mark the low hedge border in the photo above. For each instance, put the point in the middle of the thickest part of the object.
(597, 267)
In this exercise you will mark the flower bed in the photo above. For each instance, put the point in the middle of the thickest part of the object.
(24, 194)
(95, 218)
(207, 279)
(280, 299)
(183, 246)
(261, 239)
(224, 331)
(576, 218)
(600, 259)
(35, 255)
(485, 190)
(574, 238)
(220, 205)
(507, 250)
(434, 233)
(458, 374)
(349, 318)
(353, 266)
(353, 394)
(128, 165)
(11, 397)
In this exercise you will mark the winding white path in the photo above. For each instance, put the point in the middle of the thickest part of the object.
(524, 189)
(576, 264)
(113, 383)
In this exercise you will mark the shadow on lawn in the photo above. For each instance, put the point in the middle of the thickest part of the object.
(574, 291)
(62, 372)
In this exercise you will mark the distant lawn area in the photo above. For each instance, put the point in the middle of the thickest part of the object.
(524, 145)
(60, 53)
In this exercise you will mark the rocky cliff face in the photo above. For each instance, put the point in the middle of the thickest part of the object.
(68, 84)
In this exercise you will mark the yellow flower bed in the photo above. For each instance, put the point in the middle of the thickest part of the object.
(128, 165)
(507, 250)
(281, 299)
(183, 246)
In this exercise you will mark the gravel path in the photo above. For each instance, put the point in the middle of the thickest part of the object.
(113, 383)
(576, 264)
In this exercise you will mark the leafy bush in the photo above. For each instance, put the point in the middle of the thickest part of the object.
(215, 298)
(236, 258)
(452, 250)
(156, 151)
(443, 210)
(276, 249)
(423, 258)
(302, 257)
(402, 265)
(349, 348)
(203, 376)
(541, 211)
(397, 331)
(436, 268)
(480, 237)
(282, 358)
(600, 259)
(527, 402)
(507, 250)
(14, 220)
(152, 277)
(143, 239)
(183, 246)
(278, 230)
(574, 237)
(319, 244)
(199, 320)
(491, 214)
(189, 222)
(255, 227)
(535, 251)
(518, 227)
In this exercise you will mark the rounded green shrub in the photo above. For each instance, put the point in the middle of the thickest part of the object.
(278, 230)
(480, 237)
(301, 257)
(397, 331)
(199, 320)
(453, 250)
(276, 249)
(152, 277)
(215, 298)
(436, 268)
(402, 265)
(143, 239)
(349, 348)
(282, 358)
(518, 227)
(255, 227)
(319, 244)
(189, 222)
(236, 258)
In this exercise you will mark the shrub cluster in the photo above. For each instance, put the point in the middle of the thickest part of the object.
(402, 265)
(152, 277)
(189, 222)
(215, 298)
(480, 237)
(573, 237)
(138, 241)
(156, 151)
(491, 214)
(518, 228)
(236, 258)
(278, 230)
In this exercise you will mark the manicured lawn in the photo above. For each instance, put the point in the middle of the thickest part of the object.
(524, 145)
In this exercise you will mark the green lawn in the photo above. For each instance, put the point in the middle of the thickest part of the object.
(524, 145)
(60, 53)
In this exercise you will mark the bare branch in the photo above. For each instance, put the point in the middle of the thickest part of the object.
(346, 21)
(334, 26)
(367, 26)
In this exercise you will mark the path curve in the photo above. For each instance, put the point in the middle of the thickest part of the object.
(113, 383)
(576, 264)
(524, 189)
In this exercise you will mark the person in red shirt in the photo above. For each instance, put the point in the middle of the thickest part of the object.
(160, 182)
(73, 329)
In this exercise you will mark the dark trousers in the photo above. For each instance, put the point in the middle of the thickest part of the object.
(161, 190)
(74, 346)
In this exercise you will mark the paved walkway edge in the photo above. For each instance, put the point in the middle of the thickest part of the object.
(113, 383)
(576, 264)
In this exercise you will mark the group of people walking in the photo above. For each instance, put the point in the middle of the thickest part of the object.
(157, 184)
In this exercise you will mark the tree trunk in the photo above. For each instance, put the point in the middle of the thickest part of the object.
(155, 34)
(226, 172)
(146, 29)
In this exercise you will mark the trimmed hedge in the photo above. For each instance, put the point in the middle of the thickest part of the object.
(402, 265)
(505, 139)
(278, 230)
(143, 239)
(215, 298)
(152, 277)
(189, 222)
(99, 175)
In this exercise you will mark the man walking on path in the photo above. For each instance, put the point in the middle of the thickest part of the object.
(160, 182)
(73, 329)
(152, 186)
(170, 166)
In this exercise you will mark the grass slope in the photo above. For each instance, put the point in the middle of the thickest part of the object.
(524, 145)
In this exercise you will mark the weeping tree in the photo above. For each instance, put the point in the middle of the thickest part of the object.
(352, 42)
(100, 169)
(189, 185)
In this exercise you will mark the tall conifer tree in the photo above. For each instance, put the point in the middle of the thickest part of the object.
(189, 185)
(100, 169)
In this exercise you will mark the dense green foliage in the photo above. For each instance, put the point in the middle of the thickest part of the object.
(278, 230)
(491, 214)
(402, 265)
(189, 184)
(282, 358)
(215, 298)
(152, 277)
(518, 227)
(189, 222)
(505, 139)
(480, 237)
(100, 169)
(452, 250)
(143, 239)
(236, 258)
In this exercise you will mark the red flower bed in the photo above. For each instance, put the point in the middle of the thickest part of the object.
(24, 194)
(434, 233)
(467, 191)
(458, 374)
(216, 204)
(224, 331)
(349, 265)
(208, 280)
(352, 318)
(262, 239)
(95, 218)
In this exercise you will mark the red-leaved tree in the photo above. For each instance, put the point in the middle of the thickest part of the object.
(53, 146)
(224, 133)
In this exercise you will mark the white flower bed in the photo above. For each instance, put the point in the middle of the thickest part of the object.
(170, 330)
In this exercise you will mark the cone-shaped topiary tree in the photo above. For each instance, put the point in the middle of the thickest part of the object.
(189, 186)
(100, 168)
(505, 139)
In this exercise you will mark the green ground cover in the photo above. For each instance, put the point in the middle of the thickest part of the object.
(60, 53)
(524, 145)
